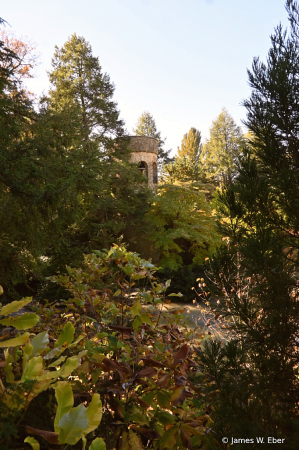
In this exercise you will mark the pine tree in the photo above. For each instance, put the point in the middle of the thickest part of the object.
(221, 151)
(187, 166)
(191, 146)
(146, 126)
(256, 373)
(20, 177)
(79, 86)
(95, 183)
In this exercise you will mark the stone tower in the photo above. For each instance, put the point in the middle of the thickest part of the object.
(145, 153)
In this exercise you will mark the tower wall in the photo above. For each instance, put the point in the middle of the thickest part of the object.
(145, 149)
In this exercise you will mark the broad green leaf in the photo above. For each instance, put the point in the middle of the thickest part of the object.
(69, 366)
(136, 308)
(145, 319)
(65, 401)
(72, 425)
(55, 352)
(33, 442)
(139, 418)
(178, 395)
(147, 296)
(124, 442)
(27, 352)
(175, 295)
(94, 413)
(57, 362)
(14, 306)
(169, 438)
(148, 398)
(135, 441)
(165, 418)
(22, 322)
(163, 399)
(27, 349)
(1, 290)
(136, 324)
(117, 293)
(67, 335)
(40, 342)
(97, 444)
(167, 284)
(16, 341)
(33, 369)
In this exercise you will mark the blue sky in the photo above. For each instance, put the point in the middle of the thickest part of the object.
(181, 60)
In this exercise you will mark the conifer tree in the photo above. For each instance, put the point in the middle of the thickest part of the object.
(256, 273)
(97, 185)
(146, 126)
(222, 149)
(79, 86)
(191, 146)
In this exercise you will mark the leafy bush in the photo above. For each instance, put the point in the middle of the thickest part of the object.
(125, 364)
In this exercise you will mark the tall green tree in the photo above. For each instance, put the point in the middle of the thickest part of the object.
(191, 146)
(20, 177)
(97, 184)
(187, 166)
(79, 86)
(221, 151)
(256, 374)
(146, 126)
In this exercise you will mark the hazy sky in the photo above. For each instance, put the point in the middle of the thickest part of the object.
(181, 60)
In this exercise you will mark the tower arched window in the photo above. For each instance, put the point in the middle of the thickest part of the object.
(143, 168)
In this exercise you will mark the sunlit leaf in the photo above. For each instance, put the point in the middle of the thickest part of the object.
(72, 425)
(178, 396)
(136, 308)
(69, 366)
(14, 306)
(33, 369)
(94, 413)
(16, 341)
(40, 342)
(65, 401)
(98, 444)
(33, 442)
(22, 322)
(67, 335)
(137, 324)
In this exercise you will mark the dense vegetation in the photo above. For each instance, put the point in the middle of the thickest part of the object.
(112, 367)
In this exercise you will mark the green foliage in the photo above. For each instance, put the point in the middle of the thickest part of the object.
(183, 226)
(127, 363)
(191, 146)
(66, 185)
(256, 271)
(221, 152)
(184, 170)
